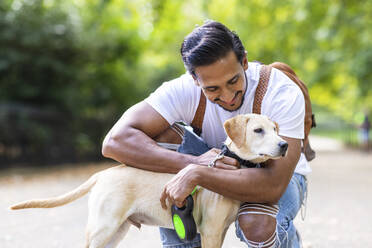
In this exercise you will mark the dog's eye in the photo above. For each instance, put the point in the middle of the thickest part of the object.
(258, 130)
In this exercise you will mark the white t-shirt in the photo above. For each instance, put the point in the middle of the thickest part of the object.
(284, 103)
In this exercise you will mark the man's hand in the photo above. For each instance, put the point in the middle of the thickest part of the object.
(226, 163)
(181, 185)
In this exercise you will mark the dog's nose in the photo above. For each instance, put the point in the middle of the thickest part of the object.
(283, 147)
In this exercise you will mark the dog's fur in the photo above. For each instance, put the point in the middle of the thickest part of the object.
(122, 195)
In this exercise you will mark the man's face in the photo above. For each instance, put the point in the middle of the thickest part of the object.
(223, 82)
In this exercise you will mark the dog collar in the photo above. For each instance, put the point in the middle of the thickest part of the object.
(246, 163)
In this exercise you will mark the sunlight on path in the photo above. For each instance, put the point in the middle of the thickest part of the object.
(325, 144)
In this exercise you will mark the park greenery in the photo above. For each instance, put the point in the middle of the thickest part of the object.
(69, 69)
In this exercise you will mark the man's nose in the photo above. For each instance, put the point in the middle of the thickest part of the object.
(227, 95)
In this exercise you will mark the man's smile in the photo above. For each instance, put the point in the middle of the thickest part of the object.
(233, 100)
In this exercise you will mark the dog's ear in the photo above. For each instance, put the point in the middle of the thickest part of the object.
(277, 127)
(235, 128)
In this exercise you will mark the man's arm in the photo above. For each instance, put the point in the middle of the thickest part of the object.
(261, 185)
(130, 141)
(264, 185)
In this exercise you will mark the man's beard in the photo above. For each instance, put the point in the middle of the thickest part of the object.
(241, 103)
(243, 96)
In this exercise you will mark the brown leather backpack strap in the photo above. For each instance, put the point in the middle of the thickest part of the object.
(261, 88)
(197, 122)
(307, 149)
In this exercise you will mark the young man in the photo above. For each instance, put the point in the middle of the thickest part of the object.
(217, 67)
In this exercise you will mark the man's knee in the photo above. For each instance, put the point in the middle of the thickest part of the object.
(257, 227)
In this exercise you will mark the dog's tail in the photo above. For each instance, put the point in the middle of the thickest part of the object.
(59, 200)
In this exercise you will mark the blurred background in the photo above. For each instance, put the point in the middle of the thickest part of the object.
(69, 69)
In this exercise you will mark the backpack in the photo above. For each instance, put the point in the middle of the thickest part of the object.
(261, 89)
(309, 116)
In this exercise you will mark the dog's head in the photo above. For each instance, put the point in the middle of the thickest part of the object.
(255, 138)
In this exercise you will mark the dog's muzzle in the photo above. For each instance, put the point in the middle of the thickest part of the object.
(283, 146)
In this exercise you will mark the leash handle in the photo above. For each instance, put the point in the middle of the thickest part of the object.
(183, 221)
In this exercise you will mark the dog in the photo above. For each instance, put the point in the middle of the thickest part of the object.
(122, 196)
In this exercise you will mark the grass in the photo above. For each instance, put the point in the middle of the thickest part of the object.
(331, 126)
(348, 136)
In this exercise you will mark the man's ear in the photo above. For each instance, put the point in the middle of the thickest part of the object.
(196, 82)
(245, 61)
(235, 128)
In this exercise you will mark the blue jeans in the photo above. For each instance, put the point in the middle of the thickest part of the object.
(289, 205)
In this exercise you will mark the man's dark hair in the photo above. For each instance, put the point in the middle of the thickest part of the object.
(208, 43)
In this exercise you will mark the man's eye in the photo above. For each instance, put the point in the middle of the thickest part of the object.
(234, 81)
(211, 89)
(258, 130)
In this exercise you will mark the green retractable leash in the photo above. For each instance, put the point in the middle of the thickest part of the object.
(183, 220)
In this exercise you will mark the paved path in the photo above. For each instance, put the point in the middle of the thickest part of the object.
(338, 212)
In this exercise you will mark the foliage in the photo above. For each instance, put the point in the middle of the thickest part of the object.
(68, 69)
(60, 91)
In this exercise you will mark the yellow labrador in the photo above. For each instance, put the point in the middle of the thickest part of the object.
(122, 195)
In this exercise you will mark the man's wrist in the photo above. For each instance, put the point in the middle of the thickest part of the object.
(195, 173)
(189, 159)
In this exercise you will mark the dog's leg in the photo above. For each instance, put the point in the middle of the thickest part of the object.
(213, 236)
(107, 216)
(119, 235)
(99, 235)
(213, 214)
(218, 213)
(209, 241)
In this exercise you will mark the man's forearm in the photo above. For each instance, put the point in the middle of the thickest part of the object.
(263, 185)
(136, 149)
(247, 185)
